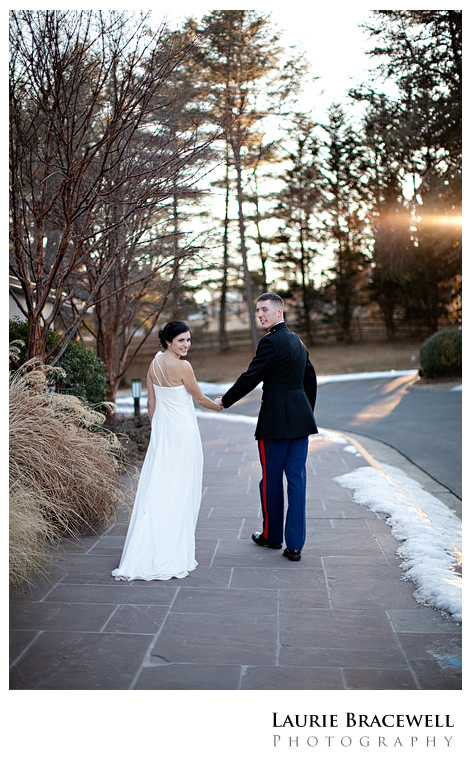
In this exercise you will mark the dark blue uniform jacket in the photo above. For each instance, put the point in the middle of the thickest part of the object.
(289, 386)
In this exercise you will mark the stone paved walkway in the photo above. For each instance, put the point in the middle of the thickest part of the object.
(247, 618)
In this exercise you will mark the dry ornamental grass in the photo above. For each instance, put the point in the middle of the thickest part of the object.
(65, 471)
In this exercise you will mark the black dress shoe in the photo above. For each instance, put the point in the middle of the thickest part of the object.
(292, 554)
(259, 539)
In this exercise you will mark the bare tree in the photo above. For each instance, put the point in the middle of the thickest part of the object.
(92, 146)
(130, 301)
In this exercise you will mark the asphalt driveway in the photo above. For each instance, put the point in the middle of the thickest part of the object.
(422, 423)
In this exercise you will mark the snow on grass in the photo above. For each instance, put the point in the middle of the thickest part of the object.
(428, 531)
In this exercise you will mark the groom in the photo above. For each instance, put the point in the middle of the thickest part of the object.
(285, 421)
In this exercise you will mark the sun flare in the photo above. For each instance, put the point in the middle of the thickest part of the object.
(441, 220)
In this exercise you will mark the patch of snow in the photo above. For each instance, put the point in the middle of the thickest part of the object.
(332, 436)
(323, 379)
(428, 532)
(352, 449)
(217, 388)
(227, 417)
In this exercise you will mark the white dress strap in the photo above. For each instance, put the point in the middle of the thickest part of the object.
(153, 369)
(163, 374)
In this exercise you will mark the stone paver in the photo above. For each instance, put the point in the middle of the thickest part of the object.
(247, 618)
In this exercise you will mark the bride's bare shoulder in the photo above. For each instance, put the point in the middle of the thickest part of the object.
(185, 364)
(185, 368)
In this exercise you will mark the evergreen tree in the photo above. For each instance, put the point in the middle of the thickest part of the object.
(298, 202)
(422, 52)
(391, 275)
(241, 59)
(345, 206)
(260, 156)
(414, 145)
(437, 253)
(389, 218)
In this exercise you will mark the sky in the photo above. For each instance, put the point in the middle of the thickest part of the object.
(330, 36)
(333, 43)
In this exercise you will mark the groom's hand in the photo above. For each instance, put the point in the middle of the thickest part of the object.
(218, 400)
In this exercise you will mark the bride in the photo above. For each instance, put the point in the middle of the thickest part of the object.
(160, 543)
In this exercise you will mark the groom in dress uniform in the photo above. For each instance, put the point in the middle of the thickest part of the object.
(284, 424)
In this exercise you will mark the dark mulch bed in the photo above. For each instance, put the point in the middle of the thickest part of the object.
(134, 434)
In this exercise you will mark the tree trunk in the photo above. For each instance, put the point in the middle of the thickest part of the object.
(176, 296)
(306, 311)
(263, 257)
(243, 248)
(223, 338)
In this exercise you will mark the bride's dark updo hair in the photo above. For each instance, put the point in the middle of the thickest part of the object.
(171, 330)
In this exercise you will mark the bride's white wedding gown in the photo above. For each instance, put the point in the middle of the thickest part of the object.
(160, 543)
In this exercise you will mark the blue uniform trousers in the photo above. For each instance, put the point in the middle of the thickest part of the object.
(288, 456)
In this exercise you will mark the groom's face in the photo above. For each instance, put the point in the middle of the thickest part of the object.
(269, 313)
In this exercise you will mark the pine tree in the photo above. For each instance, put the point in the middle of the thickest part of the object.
(238, 53)
(414, 142)
(422, 52)
(298, 203)
(345, 206)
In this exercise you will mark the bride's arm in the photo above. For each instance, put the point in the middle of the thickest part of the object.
(190, 383)
(150, 397)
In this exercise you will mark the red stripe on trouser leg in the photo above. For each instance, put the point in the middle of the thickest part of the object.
(264, 488)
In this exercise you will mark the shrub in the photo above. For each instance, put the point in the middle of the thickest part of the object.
(65, 476)
(440, 354)
(85, 374)
(19, 330)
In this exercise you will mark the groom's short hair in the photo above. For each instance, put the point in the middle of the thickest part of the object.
(271, 296)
